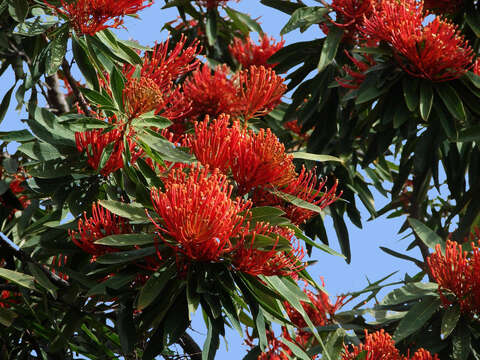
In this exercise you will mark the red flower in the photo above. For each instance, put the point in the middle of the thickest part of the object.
(141, 96)
(90, 16)
(260, 159)
(211, 4)
(435, 51)
(8, 298)
(443, 6)
(422, 354)
(260, 91)
(378, 346)
(254, 261)
(199, 218)
(457, 272)
(90, 229)
(306, 186)
(213, 141)
(94, 142)
(320, 311)
(349, 15)
(165, 66)
(357, 75)
(211, 93)
(476, 67)
(275, 350)
(248, 53)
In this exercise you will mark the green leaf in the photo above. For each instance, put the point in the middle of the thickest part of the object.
(35, 27)
(285, 6)
(304, 17)
(126, 256)
(18, 9)
(296, 350)
(449, 320)
(135, 212)
(5, 103)
(411, 92)
(315, 157)
(428, 236)
(151, 121)
(7, 317)
(212, 341)
(126, 240)
(125, 325)
(84, 63)
(97, 98)
(452, 101)
(330, 47)
(39, 151)
(211, 27)
(18, 278)
(470, 134)
(117, 83)
(244, 19)
(334, 345)
(426, 99)
(154, 286)
(409, 292)
(473, 20)
(58, 48)
(42, 279)
(461, 341)
(168, 151)
(416, 317)
(16, 135)
(296, 201)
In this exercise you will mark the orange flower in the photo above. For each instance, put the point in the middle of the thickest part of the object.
(422, 354)
(141, 96)
(260, 90)
(435, 51)
(90, 16)
(457, 272)
(199, 218)
(247, 53)
(90, 229)
(251, 260)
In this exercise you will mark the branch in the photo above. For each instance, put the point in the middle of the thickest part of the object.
(190, 347)
(56, 98)
(73, 84)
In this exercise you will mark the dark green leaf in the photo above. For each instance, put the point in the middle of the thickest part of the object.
(416, 317)
(18, 278)
(5, 103)
(126, 325)
(40, 151)
(7, 317)
(426, 99)
(461, 343)
(58, 48)
(135, 212)
(117, 83)
(126, 256)
(452, 101)
(409, 292)
(154, 286)
(304, 17)
(18, 9)
(330, 47)
(211, 27)
(126, 240)
(285, 6)
(244, 19)
(449, 320)
(35, 27)
(428, 237)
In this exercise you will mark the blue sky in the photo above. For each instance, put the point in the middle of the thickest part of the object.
(368, 261)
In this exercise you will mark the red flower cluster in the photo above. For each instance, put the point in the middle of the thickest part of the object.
(356, 74)
(435, 51)
(247, 53)
(91, 16)
(212, 4)
(258, 162)
(458, 272)
(16, 188)
(349, 15)
(254, 261)
(198, 213)
(90, 229)
(8, 298)
(380, 346)
(251, 92)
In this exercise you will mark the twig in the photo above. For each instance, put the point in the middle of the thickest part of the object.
(56, 98)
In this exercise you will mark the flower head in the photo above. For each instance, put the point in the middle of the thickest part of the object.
(199, 218)
(378, 346)
(435, 51)
(90, 229)
(247, 53)
(422, 354)
(457, 272)
(260, 90)
(211, 93)
(250, 259)
(260, 159)
(141, 96)
(90, 16)
(349, 15)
